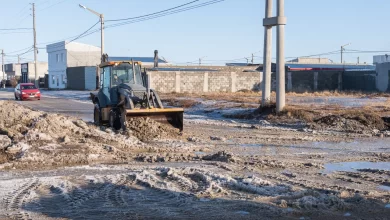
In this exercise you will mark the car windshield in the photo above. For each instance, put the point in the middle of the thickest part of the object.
(28, 87)
(123, 73)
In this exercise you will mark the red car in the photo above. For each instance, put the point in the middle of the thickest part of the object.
(25, 91)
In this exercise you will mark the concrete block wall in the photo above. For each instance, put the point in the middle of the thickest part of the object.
(192, 82)
(200, 81)
(296, 81)
(163, 81)
(246, 81)
(220, 82)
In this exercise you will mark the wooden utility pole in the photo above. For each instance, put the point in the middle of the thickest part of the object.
(35, 48)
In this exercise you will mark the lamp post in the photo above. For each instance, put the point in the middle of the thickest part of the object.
(200, 60)
(342, 50)
(101, 16)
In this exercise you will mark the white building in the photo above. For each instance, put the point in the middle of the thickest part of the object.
(381, 59)
(69, 54)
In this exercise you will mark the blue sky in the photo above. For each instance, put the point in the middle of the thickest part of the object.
(224, 31)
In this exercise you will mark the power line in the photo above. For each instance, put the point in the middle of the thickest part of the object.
(169, 9)
(13, 29)
(365, 51)
(52, 5)
(85, 34)
(144, 18)
(82, 35)
(21, 32)
(20, 50)
(166, 13)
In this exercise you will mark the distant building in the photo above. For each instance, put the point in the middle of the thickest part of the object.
(69, 54)
(381, 59)
(314, 67)
(310, 60)
(13, 70)
(146, 61)
(27, 70)
(242, 64)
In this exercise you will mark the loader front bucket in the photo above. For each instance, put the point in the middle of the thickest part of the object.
(171, 116)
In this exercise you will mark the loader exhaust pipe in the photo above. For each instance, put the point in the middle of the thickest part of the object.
(155, 59)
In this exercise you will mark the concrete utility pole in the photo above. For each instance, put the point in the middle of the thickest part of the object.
(358, 60)
(342, 50)
(35, 48)
(280, 21)
(2, 66)
(266, 94)
(253, 58)
(281, 67)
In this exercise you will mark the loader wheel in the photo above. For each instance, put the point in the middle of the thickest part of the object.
(97, 117)
(114, 120)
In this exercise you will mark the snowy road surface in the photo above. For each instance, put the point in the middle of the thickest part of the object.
(76, 104)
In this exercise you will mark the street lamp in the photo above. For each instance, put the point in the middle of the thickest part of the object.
(101, 16)
(342, 50)
(200, 60)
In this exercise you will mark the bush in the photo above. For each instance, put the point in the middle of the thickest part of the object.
(14, 82)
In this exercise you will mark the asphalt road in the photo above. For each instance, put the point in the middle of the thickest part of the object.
(64, 106)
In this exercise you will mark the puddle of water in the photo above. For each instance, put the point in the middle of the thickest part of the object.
(251, 145)
(347, 214)
(354, 166)
(342, 101)
(204, 200)
(200, 153)
(242, 213)
(385, 188)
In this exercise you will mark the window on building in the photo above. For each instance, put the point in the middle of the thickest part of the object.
(63, 79)
(57, 58)
(62, 57)
(53, 80)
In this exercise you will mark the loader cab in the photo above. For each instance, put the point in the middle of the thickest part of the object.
(113, 74)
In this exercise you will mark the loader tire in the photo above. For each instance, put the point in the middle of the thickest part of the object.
(114, 120)
(97, 116)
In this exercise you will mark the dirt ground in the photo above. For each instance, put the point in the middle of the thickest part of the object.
(233, 161)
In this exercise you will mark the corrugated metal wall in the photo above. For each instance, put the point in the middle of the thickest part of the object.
(90, 78)
(359, 81)
(81, 78)
(76, 78)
